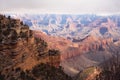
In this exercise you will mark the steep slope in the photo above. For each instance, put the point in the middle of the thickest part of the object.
(23, 57)
(76, 56)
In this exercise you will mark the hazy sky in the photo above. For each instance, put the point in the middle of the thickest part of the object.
(61, 6)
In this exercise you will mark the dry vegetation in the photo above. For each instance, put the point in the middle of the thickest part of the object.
(24, 57)
(110, 69)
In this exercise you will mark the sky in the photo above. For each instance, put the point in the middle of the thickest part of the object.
(61, 6)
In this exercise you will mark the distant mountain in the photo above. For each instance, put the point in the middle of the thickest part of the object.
(74, 26)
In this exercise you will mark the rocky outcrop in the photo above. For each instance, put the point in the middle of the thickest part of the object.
(21, 51)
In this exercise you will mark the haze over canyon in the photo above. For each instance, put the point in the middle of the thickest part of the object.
(84, 40)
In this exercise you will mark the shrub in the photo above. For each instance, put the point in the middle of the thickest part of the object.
(23, 34)
(2, 77)
(6, 32)
(47, 72)
(110, 69)
(9, 17)
(53, 52)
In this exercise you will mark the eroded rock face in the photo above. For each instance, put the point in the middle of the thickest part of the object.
(21, 51)
(76, 56)
(73, 26)
(12, 29)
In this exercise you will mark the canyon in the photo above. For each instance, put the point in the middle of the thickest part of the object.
(83, 40)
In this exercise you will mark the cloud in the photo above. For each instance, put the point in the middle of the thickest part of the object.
(63, 6)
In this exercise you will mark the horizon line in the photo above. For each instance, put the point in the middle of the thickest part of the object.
(43, 11)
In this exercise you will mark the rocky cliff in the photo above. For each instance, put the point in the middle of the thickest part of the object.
(22, 56)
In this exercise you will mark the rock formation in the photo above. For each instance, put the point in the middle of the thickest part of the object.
(20, 52)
